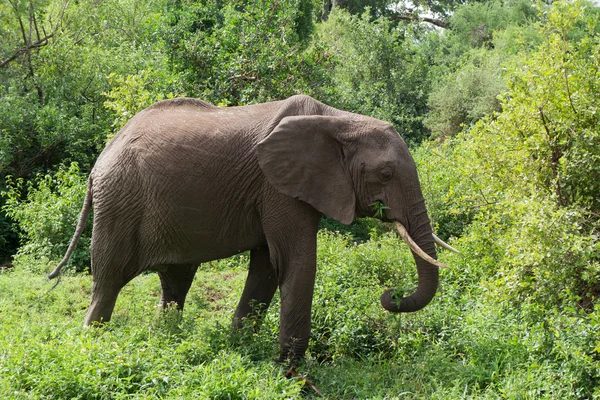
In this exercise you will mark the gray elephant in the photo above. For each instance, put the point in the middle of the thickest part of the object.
(186, 182)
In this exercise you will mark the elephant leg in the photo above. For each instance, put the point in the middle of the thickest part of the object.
(260, 287)
(291, 227)
(296, 290)
(104, 297)
(175, 281)
(115, 262)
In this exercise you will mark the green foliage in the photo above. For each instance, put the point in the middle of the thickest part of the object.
(469, 71)
(347, 318)
(552, 106)
(441, 7)
(378, 209)
(8, 237)
(378, 70)
(527, 176)
(54, 112)
(517, 191)
(512, 88)
(466, 344)
(47, 218)
(451, 199)
(474, 25)
(466, 95)
(233, 53)
(357, 7)
(130, 95)
(144, 353)
(359, 231)
(51, 96)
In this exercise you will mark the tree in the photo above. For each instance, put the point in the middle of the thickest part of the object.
(377, 70)
(529, 176)
(464, 97)
(233, 53)
(55, 62)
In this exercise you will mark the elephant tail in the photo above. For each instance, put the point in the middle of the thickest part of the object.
(85, 211)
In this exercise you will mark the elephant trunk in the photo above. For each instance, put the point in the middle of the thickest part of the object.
(423, 249)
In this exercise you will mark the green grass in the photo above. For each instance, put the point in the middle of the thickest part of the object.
(464, 345)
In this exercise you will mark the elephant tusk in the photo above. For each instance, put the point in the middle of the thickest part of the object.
(444, 244)
(414, 247)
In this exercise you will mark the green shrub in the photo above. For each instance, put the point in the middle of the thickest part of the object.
(8, 237)
(348, 320)
(48, 217)
(474, 24)
(466, 95)
(516, 314)
(526, 175)
(238, 53)
(360, 230)
(376, 70)
(129, 95)
(468, 343)
(451, 200)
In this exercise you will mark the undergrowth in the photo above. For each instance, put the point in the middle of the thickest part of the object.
(465, 344)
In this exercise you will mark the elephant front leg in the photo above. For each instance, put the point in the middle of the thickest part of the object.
(296, 303)
(291, 228)
(260, 287)
(175, 281)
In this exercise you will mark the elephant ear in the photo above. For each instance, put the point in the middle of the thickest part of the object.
(303, 157)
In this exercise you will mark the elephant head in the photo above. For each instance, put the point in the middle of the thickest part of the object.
(341, 165)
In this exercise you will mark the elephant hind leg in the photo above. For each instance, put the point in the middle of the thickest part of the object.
(175, 281)
(104, 297)
(111, 271)
(117, 258)
(261, 285)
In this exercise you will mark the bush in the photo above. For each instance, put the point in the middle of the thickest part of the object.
(8, 237)
(48, 217)
(475, 24)
(238, 53)
(377, 70)
(360, 230)
(131, 94)
(466, 95)
(348, 320)
(526, 175)
(51, 96)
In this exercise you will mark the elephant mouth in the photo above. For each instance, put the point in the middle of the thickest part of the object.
(378, 210)
(418, 251)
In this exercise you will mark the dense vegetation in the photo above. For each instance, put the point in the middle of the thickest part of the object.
(498, 101)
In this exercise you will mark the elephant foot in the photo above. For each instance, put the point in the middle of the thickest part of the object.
(292, 351)
(94, 324)
(307, 383)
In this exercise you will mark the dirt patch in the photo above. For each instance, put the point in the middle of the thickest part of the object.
(232, 275)
(213, 295)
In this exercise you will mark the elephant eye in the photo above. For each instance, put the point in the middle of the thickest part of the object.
(385, 174)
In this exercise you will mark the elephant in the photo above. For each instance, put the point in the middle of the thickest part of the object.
(186, 182)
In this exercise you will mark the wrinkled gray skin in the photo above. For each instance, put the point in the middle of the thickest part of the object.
(186, 182)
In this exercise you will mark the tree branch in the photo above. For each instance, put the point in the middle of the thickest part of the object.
(292, 372)
(414, 17)
(42, 42)
(244, 77)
